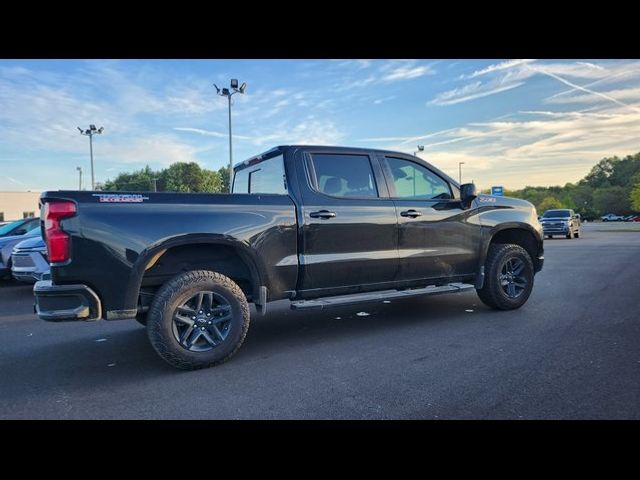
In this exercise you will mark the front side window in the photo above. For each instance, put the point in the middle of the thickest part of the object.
(344, 175)
(265, 177)
(413, 181)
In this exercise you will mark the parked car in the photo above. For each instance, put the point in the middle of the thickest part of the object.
(19, 227)
(562, 221)
(29, 261)
(630, 218)
(6, 247)
(321, 226)
(610, 217)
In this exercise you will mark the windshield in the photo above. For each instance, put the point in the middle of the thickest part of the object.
(10, 226)
(557, 214)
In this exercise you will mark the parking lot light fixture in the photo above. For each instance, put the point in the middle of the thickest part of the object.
(90, 132)
(229, 92)
(420, 149)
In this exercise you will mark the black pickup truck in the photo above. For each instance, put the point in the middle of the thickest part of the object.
(317, 225)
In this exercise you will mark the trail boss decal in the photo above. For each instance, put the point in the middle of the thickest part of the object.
(487, 199)
(120, 198)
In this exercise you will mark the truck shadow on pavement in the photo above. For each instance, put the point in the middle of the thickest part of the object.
(94, 358)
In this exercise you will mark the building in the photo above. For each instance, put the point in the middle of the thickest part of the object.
(17, 205)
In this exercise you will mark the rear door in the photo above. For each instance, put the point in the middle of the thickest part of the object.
(435, 240)
(349, 226)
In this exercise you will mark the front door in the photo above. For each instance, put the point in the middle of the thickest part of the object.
(435, 240)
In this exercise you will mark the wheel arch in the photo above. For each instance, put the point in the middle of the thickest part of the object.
(153, 254)
(517, 233)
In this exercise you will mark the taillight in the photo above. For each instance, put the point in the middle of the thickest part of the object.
(57, 239)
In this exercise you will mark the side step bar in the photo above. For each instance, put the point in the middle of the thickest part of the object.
(321, 303)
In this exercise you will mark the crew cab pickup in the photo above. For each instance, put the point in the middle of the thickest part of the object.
(317, 225)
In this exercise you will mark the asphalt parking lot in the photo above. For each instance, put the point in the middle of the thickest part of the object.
(572, 352)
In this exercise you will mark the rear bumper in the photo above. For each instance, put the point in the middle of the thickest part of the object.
(61, 303)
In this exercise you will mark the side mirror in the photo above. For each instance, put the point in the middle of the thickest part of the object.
(467, 193)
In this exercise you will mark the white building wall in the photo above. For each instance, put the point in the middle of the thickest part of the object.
(15, 205)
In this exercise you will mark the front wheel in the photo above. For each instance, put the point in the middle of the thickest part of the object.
(198, 319)
(508, 277)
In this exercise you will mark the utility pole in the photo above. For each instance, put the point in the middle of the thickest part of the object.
(90, 132)
(460, 172)
(79, 169)
(229, 92)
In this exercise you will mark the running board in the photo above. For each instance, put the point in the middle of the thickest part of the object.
(321, 303)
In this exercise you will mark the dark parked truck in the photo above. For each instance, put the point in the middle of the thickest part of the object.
(319, 226)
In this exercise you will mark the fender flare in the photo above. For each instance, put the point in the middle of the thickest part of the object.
(489, 233)
(153, 252)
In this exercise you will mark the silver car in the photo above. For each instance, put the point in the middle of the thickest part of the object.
(29, 260)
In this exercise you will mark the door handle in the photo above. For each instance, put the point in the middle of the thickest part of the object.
(322, 214)
(411, 213)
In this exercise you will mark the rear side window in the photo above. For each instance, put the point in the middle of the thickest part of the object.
(344, 175)
(264, 177)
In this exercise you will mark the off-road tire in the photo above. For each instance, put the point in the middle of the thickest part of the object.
(492, 293)
(171, 295)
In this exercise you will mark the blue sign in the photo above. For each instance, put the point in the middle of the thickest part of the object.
(497, 191)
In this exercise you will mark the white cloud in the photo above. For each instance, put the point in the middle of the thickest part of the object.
(406, 73)
(510, 74)
(471, 92)
(497, 67)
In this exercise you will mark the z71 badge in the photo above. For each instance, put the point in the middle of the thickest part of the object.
(120, 197)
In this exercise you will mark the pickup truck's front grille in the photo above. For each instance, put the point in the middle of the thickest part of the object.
(22, 261)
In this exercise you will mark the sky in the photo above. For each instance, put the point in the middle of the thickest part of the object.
(512, 122)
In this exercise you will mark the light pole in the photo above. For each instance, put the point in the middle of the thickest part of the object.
(420, 149)
(229, 92)
(460, 172)
(79, 169)
(90, 132)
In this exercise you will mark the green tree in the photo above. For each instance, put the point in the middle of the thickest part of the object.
(223, 172)
(549, 203)
(178, 177)
(137, 181)
(190, 177)
(635, 195)
(612, 200)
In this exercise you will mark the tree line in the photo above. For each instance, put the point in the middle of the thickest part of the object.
(178, 177)
(612, 186)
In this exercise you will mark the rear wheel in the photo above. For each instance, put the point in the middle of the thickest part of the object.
(577, 234)
(198, 319)
(508, 277)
